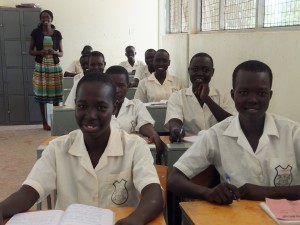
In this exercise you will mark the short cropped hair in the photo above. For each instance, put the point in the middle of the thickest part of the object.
(203, 54)
(96, 54)
(86, 48)
(118, 70)
(129, 46)
(150, 50)
(252, 66)
(93, 77)
(163, 50)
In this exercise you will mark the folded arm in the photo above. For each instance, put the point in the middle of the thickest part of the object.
(149, 208)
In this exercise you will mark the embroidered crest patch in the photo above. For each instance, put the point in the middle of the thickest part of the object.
(120, 194)
(283, 176)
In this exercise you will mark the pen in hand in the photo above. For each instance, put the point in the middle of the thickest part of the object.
(227, 178)
(180, 133)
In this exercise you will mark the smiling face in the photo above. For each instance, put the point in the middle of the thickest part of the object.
(121, 86)
(94, 108)
(45, 18)
(161, 61)
(149, 56)
(130, 53)
(96, 64)
(84, 62)
(200, 70)
(251, 94)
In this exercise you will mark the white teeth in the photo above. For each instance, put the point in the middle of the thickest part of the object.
(90, 126)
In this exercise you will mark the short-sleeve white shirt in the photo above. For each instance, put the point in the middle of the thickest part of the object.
(75, 67)
(135, 66)
(70, 101)
(132, 116)
(150, 90)
(276, 161)
(78, 76)
(122, 172)
(183, 105)
(142, 72)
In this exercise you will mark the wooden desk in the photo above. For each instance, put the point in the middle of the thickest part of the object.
(242, 212)
(121, 213)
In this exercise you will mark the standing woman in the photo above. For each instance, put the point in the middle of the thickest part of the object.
(46, 46)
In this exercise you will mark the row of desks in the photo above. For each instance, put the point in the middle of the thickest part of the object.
(202, 212)
(63, 119)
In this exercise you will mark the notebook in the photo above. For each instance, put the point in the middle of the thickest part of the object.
(75, 214)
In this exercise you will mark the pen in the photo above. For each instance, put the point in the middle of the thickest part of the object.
(227, 178)
(180, 133)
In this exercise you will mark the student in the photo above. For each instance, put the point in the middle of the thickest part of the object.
(75, 67)
(98, 165)
(159, 85)
(131, 115)
(200, 106)
(84, 63)
(131, 64)
(144, 71)
(96, 64)
(257, 151)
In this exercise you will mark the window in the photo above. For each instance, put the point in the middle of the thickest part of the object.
(178, 16)
(234, 14)
(240, 14)
(282, 13)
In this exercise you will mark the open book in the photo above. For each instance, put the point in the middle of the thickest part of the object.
(75, 214)
(282, 211)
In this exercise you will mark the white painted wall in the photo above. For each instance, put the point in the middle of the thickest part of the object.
(279, 49)
(107, 25)
(177, 46)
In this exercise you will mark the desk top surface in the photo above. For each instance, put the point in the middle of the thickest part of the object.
(241, 212)
(124, 212)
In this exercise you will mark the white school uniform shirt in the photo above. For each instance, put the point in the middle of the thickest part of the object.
(70, 101)
(142, 72)
(276, 161)
(132, 116)
(135, 66)
(183, 105)
(75, 67)
(124, 169)
(78, 76)
(150, 90)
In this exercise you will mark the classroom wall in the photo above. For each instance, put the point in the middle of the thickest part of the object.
(279, 49)
(107, 25)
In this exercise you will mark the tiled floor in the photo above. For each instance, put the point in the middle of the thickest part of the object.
(17, 154)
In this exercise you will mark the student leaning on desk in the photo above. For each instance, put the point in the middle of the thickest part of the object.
(200, 106)
(97, 165)
(257, 152)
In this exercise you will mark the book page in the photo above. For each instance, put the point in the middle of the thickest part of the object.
(284, 209)
(51, 217)
(265, 207)
(78, 214)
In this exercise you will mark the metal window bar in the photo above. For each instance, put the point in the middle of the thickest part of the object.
(282, 13)
(240, 14)
(174, 16)
(210, 15)
(184, 16)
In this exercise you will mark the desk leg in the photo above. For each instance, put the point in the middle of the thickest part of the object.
(174, 212)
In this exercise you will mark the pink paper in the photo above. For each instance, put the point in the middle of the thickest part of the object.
(284, 209)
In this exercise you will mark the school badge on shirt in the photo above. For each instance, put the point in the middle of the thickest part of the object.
(283, 176)
(120, 194)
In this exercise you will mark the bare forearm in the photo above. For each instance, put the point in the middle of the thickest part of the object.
(20, 201)
(147, 130)
(259, 193)
(218, 112)
(151, 203)
(179, 184)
